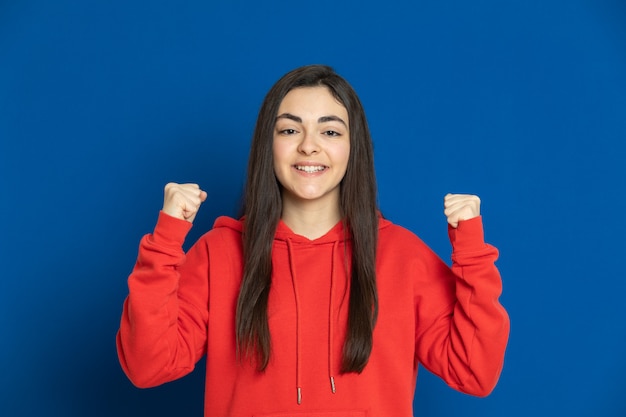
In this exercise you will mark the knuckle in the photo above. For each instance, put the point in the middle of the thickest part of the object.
(169, 185)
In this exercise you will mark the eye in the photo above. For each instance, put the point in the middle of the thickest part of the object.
(332, 133)
(287, 131)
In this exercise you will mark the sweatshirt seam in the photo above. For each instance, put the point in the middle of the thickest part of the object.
(483, 248)
(471, 344)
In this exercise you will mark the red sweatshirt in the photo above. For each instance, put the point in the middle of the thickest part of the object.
(182, 306)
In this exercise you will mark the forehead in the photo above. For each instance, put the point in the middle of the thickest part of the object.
(316, 101)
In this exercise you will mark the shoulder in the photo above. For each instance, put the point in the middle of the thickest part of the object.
(391, 234)
(221, 247)
(403, 257)
(399, 244)
(226, 231)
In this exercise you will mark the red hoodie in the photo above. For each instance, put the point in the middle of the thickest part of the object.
(182, 306)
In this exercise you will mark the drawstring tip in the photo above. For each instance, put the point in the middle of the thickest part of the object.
(332, 384)
(299, 395)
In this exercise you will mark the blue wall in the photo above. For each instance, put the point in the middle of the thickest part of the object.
(522, 102)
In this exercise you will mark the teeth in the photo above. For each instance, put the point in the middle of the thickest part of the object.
(310, 169)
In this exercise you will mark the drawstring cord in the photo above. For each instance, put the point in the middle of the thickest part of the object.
(330, 320)
(297, 300)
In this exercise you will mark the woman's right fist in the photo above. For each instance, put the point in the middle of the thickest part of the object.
(183, 200)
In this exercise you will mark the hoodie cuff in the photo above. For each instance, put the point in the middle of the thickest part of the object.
(468, 235)
(170, 230)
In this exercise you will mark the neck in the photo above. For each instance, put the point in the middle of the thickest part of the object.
(311, 220)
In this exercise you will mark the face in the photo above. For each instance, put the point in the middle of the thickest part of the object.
(311, 146)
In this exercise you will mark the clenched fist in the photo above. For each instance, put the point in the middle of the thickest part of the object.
(183, 200)
(458, 207)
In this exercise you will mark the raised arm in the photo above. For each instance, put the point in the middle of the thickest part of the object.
(465, 343)
(163, 326)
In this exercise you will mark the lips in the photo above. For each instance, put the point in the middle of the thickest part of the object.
(310, 169)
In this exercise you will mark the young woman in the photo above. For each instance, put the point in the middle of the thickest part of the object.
(312, 303)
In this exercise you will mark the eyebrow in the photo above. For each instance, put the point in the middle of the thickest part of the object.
(323, 119)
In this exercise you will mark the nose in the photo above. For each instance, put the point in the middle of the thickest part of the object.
(309, 144)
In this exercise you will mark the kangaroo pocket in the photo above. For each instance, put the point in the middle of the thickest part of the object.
(351, 413)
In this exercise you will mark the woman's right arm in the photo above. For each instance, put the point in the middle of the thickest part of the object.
(163, 327)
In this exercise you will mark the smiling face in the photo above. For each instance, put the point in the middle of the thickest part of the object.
(311, 147)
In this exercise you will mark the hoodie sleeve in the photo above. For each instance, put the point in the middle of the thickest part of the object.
(162, 332)
(465, 342)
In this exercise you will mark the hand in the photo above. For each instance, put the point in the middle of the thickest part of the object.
(183, 200)
(459, 207)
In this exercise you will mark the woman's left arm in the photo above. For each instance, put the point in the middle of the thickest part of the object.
(465, 344)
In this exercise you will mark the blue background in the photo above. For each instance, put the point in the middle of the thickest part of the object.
(522, 102)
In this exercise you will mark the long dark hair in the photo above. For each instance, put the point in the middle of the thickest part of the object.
(263, 207)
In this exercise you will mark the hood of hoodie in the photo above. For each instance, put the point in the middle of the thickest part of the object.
(283, 232)
(308, 303)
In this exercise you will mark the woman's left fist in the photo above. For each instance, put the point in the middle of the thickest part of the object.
(459, 207)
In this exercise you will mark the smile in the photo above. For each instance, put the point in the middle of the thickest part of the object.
(310, 169)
